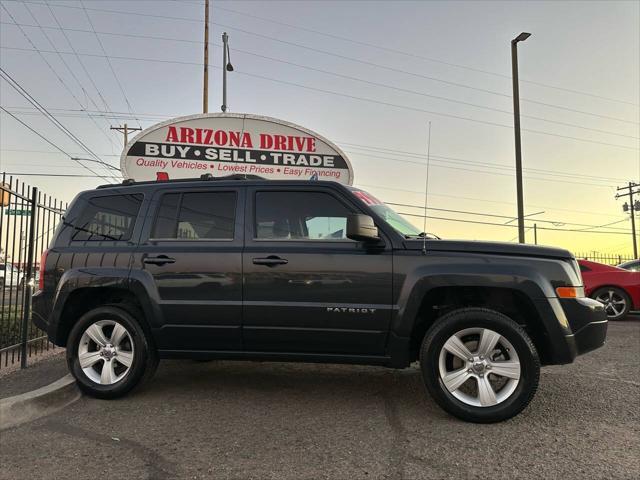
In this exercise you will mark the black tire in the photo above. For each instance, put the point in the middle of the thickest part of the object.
(145, 358)
(604, 291)
(476, 318)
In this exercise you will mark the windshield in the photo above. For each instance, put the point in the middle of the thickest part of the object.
(398, 223)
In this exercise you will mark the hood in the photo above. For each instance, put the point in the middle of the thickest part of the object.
(493, 248)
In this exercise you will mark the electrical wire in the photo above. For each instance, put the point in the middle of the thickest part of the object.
(115, 75)
(53, 144)
(357, 79)
(84, 68)
(364, 99)
(421, 57)
(70, 70)
(18, 88)
(249, 32)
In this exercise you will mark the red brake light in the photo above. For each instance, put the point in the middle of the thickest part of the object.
(162, 176)
(43, 265)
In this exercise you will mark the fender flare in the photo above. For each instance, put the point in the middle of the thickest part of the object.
(424, 279)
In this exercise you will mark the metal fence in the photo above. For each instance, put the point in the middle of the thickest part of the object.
(28, 219)
(607, 259)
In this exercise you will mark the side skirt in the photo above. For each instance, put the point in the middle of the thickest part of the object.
(278, 357)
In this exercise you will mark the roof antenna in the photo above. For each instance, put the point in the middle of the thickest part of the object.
(426, 195)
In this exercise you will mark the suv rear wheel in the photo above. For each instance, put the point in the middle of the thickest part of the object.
(109, 353)
(479, 365)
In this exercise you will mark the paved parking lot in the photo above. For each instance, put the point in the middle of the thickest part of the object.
(281, 421)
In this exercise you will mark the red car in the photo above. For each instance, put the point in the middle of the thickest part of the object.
(617, 289)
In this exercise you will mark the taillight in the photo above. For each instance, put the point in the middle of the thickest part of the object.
(43, 268)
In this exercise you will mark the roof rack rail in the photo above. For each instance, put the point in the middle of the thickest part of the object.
(205, 177)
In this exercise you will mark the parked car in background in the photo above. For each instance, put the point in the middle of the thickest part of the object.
(23, 277)
(632, 265)
(9, 276)
(616, 288)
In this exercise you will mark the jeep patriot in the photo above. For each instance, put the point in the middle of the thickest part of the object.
(309, 271)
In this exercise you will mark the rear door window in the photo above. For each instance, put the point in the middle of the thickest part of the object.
(196, 216)
(107, 218)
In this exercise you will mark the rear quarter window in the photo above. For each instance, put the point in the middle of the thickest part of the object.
(106, 218)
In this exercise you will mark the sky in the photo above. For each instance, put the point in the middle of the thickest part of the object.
(369, 76)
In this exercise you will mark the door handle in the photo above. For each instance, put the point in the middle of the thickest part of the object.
(159, 260)
(270, 261)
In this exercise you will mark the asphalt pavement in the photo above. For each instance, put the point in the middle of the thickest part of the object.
(237, 420)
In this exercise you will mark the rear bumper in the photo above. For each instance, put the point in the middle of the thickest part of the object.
(587, 322)
(41, 310)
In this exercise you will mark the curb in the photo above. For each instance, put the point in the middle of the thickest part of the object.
(38, 403)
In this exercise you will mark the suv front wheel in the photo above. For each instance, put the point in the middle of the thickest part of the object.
(108, 352)
(479, 365)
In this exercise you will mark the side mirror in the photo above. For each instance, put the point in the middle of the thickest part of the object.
(362, 228)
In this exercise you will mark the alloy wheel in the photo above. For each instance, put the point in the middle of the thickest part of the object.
(614, 303)
(479, 367)
(106, 352)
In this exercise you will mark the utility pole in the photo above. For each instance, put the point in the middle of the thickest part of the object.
(205, 89)
(535, 233)
(126, 129)
(631, 207)
(226, 67)
(516, 124)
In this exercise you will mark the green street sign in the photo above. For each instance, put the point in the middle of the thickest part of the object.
(18, 212)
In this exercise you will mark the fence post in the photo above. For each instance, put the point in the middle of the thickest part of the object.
(28, 278)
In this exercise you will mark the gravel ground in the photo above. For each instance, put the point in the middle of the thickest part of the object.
(295, 421)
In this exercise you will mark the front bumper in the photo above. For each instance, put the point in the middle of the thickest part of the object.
(587, 322)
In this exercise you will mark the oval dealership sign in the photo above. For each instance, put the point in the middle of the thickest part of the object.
(225, 144)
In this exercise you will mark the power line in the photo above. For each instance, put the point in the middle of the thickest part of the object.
(550, 173)
(510, 217)
(421, 57)
(69, 69)
(440, 165)
(354, 97)
(376, 149)
(50, 142)
(441, 114)
(248, 32)
(437, 97)
(36, 132)
(18, 88)
(484, 200)
(108, 60)
(153, 37)
(30, 174)
(477, 222)
(84, 68)
(53, 70)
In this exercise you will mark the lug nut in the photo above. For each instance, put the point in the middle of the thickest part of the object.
(469, 371)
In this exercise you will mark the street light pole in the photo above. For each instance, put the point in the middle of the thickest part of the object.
(205, 80)
(516, 124)
(226, 67)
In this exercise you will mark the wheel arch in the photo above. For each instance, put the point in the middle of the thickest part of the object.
(84, 299)
(512, 302)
